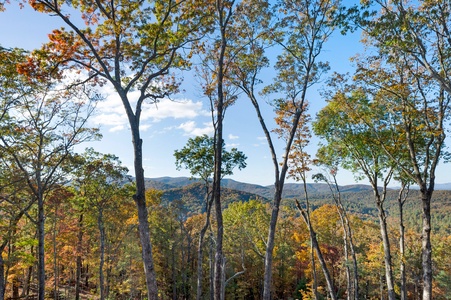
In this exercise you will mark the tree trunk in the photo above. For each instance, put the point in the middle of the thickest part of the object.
(79, 261)
(217, 175)
(426, 247)
(347, 236)
(348, 272)
(319, 254)
(41, 254)
(350, 239)
(55, 257)
(143, 221)
(15, 287)
(267, 280)
(200, 246)
(212, 275)
(174, 275)
(199, 265)
(2, 276)
(102, 253)
(217, 284)
(322, 262)
(26, 285)
(387, 253)
(402, 269)
(315, 277)
(354, 261)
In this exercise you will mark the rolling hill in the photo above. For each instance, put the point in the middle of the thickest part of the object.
(358, 199)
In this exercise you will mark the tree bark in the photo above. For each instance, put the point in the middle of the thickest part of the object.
(315, 277)
(212, 267)
(55, 257)
(267, 279)
(102, 253)
(41, 254)
(217, 175)
(426, 247)
(387, 252)
(79, 262)
(330, 285)
(2, 276)
(217, 200)
(202, 233)
(143, 221)
(322, 262)
(402, 270)
(379, 199)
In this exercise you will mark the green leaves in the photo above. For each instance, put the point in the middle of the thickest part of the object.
(198, 157)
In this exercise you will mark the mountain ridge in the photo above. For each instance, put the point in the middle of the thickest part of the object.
(291, 190)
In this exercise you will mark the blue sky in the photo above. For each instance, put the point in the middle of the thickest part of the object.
(167, 127)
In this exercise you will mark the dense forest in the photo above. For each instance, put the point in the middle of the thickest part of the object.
(77, 225)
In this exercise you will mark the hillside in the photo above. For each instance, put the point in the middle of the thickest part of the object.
(191, 197)
(291, 190)
(358, 199)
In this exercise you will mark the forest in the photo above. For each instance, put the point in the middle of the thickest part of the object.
(77, 225)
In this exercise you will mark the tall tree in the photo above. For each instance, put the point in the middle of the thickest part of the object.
(359, 151)
(40, 134)
(299, 164)
(12, 205)
(132, 46)
(99, 179)
(330, 179)
(303, 29)
(198, 157)
(417, 33)
(216, 85)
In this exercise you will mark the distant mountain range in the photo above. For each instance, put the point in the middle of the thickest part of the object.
(188, 194)
(291, 190)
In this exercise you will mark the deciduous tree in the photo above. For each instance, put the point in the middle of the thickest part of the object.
(39, 135)
(303, 29)
(132, 46)
(416, 34)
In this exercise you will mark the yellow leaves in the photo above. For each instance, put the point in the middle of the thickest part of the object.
(132, 220)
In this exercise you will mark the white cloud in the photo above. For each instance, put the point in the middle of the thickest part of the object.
(233, 137)
(111, 112)
(190, 128)
(232, 145)
(116, 128)
(180, 109)
(144, 127)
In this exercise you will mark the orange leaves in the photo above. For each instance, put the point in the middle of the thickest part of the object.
(38, 6)
(32, 69)
(63, 43)
(47, 63)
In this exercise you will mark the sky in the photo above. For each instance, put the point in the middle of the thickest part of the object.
(166, 127)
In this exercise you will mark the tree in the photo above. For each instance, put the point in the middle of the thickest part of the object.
(348, 239)
(39, 136)
(303, 29)
(198, 157)
(217, 86)
(340, 125)
(13, 205)
(416, 35)
(298, 164)
(98, 180)
(245, 224)
(132, 46)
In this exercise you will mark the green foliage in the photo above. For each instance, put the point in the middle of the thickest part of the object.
(198, 157)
